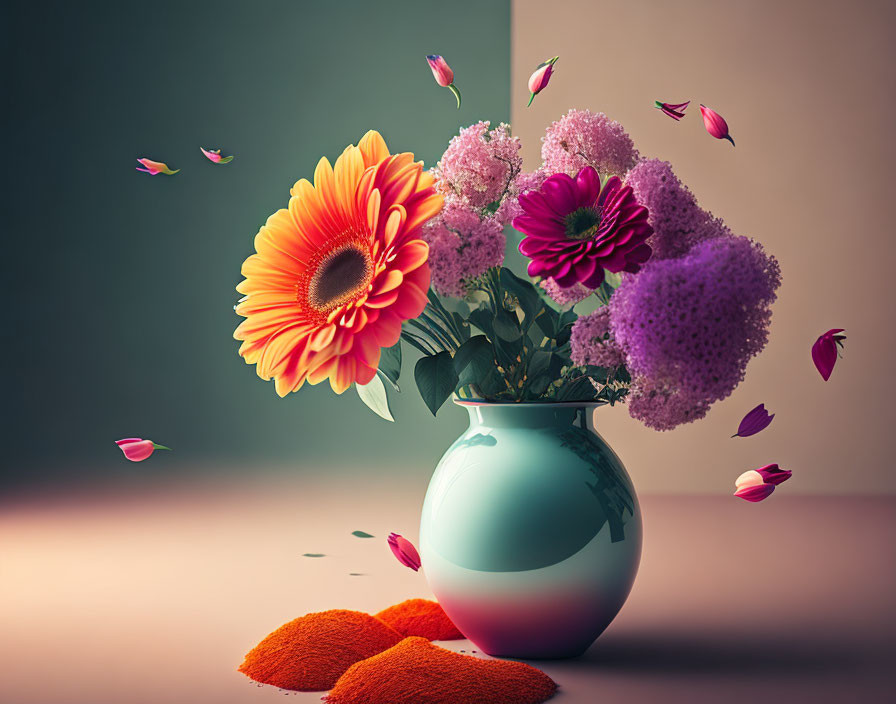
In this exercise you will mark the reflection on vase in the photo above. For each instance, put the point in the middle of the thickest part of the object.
(531, 531)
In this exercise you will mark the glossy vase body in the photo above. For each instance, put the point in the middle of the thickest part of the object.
(531, 532)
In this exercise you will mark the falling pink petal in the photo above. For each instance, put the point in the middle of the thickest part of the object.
(137, 449)
(715, 124)
(824, 351)
(155, 167)
(755, 421)
(405, 551)
(673, 110)
(540, 78)
(215, 156)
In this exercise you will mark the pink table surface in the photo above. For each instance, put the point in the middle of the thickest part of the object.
(154, 592)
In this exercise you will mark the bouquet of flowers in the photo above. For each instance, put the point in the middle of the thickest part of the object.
(379, 253)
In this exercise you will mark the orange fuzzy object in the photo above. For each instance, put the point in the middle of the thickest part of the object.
(417, 671)
(420, 617)
(310, 653)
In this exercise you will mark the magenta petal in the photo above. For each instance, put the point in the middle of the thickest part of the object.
(755, 493)
(773, 474)
(824, 355)
(755, 421)
(404, 551)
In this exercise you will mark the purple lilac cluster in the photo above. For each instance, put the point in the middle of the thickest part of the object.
(479, 164)
(690, 325)
(590, 341)
(582, 138)
(678, 222)
(462, 246)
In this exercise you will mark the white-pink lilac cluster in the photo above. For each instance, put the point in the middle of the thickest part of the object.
(564, 296)
(462, 247)
(524, 182)
(591, 343)
(583, 138)
(479, 165)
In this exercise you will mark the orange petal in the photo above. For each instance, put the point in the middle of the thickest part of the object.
(387, 281)
(387, 328)
(322, 338)
(373, 209)
(383, 300)
(394, 222)
(347, 175)
(373, 148)
(423, 210)
(411, 255)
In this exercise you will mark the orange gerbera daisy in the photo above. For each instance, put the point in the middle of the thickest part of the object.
(337, 271)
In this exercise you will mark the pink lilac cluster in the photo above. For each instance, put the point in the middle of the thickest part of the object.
(524, 182)
(590, 341)
(582, 138)
(565, 296)
(689, 326)
(462, 246)
(479, 164)
(678, 222)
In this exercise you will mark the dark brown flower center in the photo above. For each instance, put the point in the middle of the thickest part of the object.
(582, 223)
(340, 276)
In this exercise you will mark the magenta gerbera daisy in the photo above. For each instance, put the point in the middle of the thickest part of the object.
(575, 229)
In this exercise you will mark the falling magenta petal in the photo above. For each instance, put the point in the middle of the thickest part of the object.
(758, 484)
(824, 351)
(755, 494)
(773, 474)
(673, 110)
(404, 551)
(755, 421)
(715, 124)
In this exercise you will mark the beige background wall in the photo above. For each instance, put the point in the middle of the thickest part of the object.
(807, 89)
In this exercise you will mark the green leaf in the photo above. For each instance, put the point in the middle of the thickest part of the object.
(524, 292)
(313, 554)
(374, 395)
(390, 364)
(361, 534)
(482, 318)
(474, 361)
(436, 379)
(507, 326)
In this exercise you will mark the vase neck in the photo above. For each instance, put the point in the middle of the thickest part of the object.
(530, 415)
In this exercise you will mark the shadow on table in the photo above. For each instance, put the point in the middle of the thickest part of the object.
(686, 654)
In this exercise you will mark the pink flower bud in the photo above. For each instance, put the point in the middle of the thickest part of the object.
(443, 74)
(441, 71)
(405, 551)
(824, 351)
(758, 484)
(715, 124)
(215, 156)
(155, 167)
(137, 449)
(539, 80)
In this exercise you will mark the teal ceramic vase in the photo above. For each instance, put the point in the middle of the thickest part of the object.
(531, 532)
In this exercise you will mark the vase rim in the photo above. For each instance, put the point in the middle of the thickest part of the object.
(473, 402)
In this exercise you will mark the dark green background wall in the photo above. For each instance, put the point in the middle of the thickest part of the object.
(120, 286)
